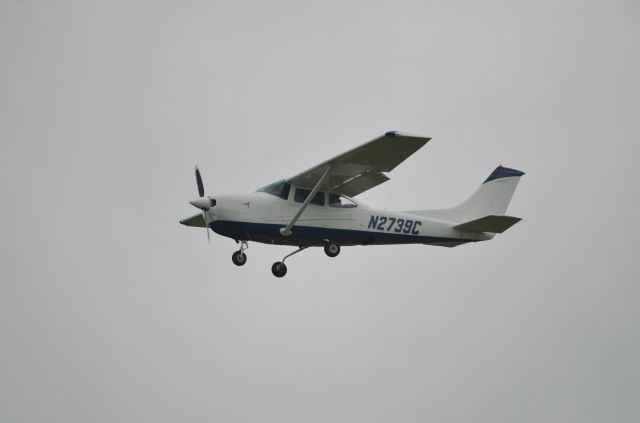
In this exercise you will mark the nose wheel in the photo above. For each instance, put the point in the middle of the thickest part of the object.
(279, 269)
(239, 258)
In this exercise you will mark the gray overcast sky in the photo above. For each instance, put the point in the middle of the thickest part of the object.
(112, 311)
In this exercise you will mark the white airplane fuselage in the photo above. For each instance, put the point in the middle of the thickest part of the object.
(260, 216)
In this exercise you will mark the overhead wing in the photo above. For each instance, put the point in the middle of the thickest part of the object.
(361, 168)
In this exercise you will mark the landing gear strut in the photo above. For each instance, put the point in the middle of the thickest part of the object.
(239, 258)
(331, 249)
(279, 269)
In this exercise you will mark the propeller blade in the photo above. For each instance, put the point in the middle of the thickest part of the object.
(202, 202)
(199, 182)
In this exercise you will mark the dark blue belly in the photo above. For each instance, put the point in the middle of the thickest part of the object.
(269, 233)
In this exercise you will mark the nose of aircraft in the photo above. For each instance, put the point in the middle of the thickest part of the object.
(203, 203)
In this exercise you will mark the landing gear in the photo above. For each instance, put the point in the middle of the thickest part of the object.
(331, 249)
(279, 269)
(239, 258)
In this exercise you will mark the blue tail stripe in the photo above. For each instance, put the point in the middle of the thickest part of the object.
(503, 172)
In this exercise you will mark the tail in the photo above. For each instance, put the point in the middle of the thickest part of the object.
(484, 210)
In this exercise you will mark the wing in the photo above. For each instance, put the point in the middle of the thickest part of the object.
(362, 168)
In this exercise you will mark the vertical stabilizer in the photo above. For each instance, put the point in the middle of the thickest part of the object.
(493, 196)
(490, 199)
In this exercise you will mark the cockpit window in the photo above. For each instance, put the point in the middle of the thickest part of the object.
(341, 201)
(302, 194)
(279, 189)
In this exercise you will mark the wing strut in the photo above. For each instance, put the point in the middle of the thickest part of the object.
(287, 231)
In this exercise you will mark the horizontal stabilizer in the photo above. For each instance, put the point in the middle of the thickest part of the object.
(196, 220)
(491, 223)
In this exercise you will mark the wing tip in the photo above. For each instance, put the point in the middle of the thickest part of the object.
(398, 134)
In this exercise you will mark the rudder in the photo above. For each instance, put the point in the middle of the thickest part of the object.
(491, 199)
(493, 196)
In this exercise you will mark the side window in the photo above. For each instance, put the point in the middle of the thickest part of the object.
(284, 192)
(302, 194)
(341, 201)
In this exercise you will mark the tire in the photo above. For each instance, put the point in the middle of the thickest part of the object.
(279, 269)
(331, 249)
(239, 258)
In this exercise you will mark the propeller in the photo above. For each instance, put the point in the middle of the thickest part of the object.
(199, 182)
(203, 202)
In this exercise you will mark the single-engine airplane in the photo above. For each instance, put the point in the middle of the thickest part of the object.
(316, 207)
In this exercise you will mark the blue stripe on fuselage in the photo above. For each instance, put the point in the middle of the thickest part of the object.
(310, 235)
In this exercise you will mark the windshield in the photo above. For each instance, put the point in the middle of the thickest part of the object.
(279, 189)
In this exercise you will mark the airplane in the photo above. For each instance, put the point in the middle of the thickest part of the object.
(316, 208)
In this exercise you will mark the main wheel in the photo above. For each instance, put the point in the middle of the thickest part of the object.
(331, 249)
(239, 258)
(279, 269)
